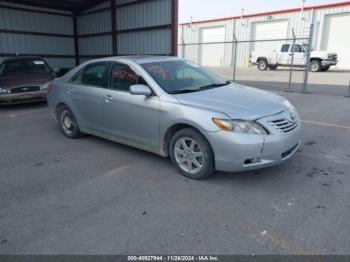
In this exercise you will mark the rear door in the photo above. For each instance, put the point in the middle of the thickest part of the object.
(88, 90)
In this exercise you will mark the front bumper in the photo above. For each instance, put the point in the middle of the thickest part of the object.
(242, 152)
(20, 98)
(329, 62)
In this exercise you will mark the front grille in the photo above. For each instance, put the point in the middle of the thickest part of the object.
(332, 57)
(284, 125)
(25, 89)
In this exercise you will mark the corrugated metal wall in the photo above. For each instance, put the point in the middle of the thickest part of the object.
(35, 22)
(92, 24)
(152, 23)
(141, 27)
(298, 21)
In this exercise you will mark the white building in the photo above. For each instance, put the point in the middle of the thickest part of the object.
(331, 32)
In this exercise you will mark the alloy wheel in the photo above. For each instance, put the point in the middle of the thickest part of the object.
(189, 155)
(67, 123)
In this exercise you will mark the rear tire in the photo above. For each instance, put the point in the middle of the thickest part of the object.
(191, 154)
(68, 123)
(315, 66)
(262, 65)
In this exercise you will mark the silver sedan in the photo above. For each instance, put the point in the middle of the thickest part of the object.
(177, 109)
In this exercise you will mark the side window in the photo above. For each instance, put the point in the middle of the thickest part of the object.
(123, 77)
(2, 67)
(285, 48)
(92, 75)
(297, 49)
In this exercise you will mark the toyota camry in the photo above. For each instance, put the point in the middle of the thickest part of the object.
(177, 109)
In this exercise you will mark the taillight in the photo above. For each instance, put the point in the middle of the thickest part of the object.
(49, 88)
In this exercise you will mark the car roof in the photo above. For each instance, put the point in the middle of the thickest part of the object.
(21, 58)
(139, 59)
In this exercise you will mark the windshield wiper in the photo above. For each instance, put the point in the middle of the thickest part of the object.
(183, 91)
(215, 85)
(188, 90)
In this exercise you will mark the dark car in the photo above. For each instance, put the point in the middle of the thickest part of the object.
(24, 79)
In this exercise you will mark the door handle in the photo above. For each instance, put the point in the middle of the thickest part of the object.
(108, 98)
(69, 90)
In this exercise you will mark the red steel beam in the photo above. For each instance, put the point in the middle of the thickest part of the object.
(174, 26)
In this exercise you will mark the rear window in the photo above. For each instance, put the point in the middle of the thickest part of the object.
(23, 67)
(91, 75)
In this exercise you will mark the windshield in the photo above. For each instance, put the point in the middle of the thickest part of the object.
(177, 77)
(23, 67)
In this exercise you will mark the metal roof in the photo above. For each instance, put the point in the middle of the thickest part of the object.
(67, 5)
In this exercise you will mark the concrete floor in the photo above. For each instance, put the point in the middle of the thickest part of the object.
(334, 82)
(92, 196)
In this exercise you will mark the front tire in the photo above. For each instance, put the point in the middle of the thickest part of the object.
(191, 154)
(68, 123)
(273, 67)
(262, 65)
(315, 66)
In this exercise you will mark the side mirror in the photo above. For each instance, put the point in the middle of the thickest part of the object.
(60, 71)
(140, 90)
(57, 72)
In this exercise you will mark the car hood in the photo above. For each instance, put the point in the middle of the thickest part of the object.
(322, 54)
(13, 81)
(237, 101)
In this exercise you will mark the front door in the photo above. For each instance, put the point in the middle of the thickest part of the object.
(283, 56)
(299, 55)
(132, 117)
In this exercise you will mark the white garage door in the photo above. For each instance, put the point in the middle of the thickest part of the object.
(336, 37)
(269, 30)
(213, 54)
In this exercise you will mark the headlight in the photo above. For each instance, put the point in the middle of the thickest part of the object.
(291, 108)
(3, 91)
(240, 126)
(45, 86)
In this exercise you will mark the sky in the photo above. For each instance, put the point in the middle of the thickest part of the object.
(211, 9)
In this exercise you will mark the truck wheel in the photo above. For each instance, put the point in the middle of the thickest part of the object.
(262, 65)
(315, 66)
(273, 67)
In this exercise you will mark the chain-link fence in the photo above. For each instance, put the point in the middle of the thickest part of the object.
(271, 62)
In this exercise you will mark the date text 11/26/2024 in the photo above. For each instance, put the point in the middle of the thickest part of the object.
(173, 258)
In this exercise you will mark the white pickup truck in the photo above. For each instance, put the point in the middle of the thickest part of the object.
(319, 60)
